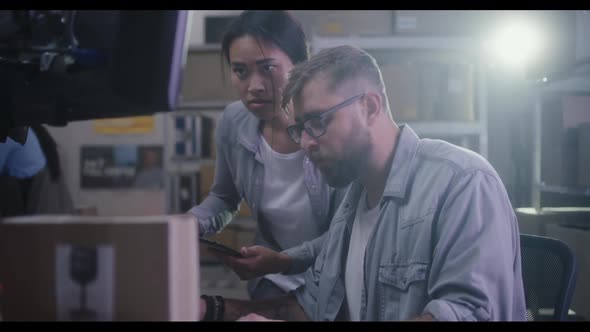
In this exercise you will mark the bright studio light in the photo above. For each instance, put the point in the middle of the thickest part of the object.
(515, 43)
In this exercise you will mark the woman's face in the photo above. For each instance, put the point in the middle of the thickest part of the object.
(259, 74)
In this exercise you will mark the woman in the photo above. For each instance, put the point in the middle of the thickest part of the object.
(258, 162)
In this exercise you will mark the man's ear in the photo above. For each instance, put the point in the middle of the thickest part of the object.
(373, 106)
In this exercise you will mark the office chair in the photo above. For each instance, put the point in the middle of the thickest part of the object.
(549, 276)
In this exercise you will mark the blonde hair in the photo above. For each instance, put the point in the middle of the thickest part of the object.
(340, 64)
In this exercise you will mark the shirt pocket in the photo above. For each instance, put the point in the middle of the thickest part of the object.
(418, 218)
(402, 290)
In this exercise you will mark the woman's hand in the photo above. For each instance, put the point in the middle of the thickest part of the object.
(257, 261)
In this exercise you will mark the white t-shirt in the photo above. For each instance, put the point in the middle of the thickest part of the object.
(285, 205)
(364, 222)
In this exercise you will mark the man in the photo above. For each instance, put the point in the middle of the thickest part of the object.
(31, 177)
(150, 174)
(426, 230)
(20, 163)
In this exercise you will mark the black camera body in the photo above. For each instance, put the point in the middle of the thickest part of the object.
(58, 66)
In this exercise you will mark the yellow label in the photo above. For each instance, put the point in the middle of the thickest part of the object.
(332, 27)
(127, 125)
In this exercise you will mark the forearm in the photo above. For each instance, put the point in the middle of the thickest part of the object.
(213, 214)
(222, 202)
(303, 255)
(281, 308)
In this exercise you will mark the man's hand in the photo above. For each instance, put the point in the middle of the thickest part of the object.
(425, 317)
(252, 317)
(258, 261)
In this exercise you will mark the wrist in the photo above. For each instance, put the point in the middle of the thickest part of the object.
(214, 308)
(285, 262)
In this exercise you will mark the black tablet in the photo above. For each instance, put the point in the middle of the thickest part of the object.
(219, 247)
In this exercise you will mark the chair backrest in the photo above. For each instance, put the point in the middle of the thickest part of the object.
(549, 275)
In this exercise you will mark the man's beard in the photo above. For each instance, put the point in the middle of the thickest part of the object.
(348, 168)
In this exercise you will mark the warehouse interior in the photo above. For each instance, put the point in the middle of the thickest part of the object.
(511, 86)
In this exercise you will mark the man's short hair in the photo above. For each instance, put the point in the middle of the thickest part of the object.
(340, 64)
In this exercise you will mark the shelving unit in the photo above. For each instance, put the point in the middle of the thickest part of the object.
(205, 94)
(185, 166)
(579, 83)
(434, 129)
(569, 224)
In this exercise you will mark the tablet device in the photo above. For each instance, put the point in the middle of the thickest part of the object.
(220, 248)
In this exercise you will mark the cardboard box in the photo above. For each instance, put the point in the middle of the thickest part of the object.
(457, 93)
(441, 23)
(99, 268)
(428, 87)
(447, 87)
(205, 78)
(346, 22)
(401, 85)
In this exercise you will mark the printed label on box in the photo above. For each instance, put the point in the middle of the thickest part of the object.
(84, 277)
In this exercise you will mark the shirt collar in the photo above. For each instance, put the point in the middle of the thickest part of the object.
(403, 161)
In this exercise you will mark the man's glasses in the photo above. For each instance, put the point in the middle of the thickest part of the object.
(315, 125)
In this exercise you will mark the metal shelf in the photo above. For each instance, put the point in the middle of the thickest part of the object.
(204, 48)
(576, 83)
(446, 128)
(398, 43)
(196, 160)
(572, 84)
(187, 165)
(579, 191)
(429, 44)
(203, 105)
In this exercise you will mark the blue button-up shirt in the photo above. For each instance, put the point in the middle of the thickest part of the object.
(22, 161)
(446, 243)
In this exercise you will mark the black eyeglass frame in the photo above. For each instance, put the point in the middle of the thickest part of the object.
(295, 131)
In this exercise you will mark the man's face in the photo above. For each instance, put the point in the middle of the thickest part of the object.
(340, 153)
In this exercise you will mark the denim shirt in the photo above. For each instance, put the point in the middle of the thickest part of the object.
(446, 243)
(239, 174)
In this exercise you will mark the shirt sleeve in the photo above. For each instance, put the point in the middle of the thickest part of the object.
(474, 271)
(223, 201)
(304, 255)
(26, 160)
(308, 293)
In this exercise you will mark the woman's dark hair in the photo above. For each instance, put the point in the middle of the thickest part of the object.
(275, 26)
